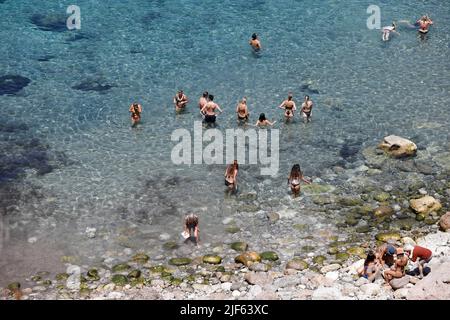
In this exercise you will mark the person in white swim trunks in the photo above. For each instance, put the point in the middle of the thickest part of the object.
(387, 31)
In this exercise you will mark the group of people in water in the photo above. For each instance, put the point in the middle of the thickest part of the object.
(423, 25)
(391, 262)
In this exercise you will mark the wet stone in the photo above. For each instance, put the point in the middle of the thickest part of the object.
(50, 22)
(269, 255)
(119, 280)
(239, 246)
(121, 267)
(180, 261)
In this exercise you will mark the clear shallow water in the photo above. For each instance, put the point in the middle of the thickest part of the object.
(111, 177)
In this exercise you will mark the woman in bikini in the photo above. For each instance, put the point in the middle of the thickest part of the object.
(307, 109)
(242, 111)
(289, 106)
(424, 24)
(231, 175)
(371, 268)
(262, 121)
(136, 110)
(295, 178)
(180, 100)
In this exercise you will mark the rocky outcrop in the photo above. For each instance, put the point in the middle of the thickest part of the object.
(435, 286)
(398, 147)
(425, 205)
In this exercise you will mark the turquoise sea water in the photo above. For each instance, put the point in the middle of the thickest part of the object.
(69, 159)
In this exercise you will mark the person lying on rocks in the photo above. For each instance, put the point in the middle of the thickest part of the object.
(385, 255)
(371, 268)
(419, 255)
(398, 269)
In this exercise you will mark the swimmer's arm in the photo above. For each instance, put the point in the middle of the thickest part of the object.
(281, 106)
(203, 109)
(237, 108)
(219, 108)
(295, 107)
(257, 123)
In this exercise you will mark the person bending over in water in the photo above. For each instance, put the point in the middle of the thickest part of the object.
(203, 100)
(295, 178)
(387, 31)
(180, 100)
(289, 106)
(255, 43)
(231, 175)
(191, 227)
(242, 110)
(306, 111)
(262, 121)
(136, 110)
(209, 110)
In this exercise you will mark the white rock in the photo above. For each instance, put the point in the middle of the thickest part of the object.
(226, 286)
(227, 220)
(90, 232)
(330, 267)
(370, 289)
(115, 295)
(401, 293)
(127, 251)
(255, 290)
(327, 293)
(236, 293)
(353, 268)
(332, 275)
(164, 236)
(32, 240)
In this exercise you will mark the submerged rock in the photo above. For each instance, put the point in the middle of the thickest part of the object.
(119, 280)
(315, 188)
(398, 147)
(120, 267)
(92, 86)
(239, 246)
(50, 22)
(425, 205)
(11, 84)
(297, 264)
(383, 211)
(387, 236)
(269, 255)
(248, 258)
(140, 258)
(180, 261)
(212, 259)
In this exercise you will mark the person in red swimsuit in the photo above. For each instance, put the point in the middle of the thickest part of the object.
(424, 24)
(420, 255)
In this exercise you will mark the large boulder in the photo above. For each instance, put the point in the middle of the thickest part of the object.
(444, 222)
(399, 282)
(258, 278)
(327, 293)
(297, 264)
(398, 147)
(435, 286)
(248, 258)
(425, 205)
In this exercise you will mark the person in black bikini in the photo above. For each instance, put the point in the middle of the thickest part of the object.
(209, 110)
(191, 227)
(307, 109)
(289, 106)
(231, 175)
(295, 178)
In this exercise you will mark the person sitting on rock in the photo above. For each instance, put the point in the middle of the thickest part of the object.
(371, 267)
(385, 255)
(398, 269)
(419, 255)
(191, 227)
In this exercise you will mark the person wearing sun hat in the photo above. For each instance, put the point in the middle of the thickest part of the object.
(419, 255)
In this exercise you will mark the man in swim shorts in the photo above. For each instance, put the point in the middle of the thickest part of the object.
(209, 110)
(180, 100)
(242, 110)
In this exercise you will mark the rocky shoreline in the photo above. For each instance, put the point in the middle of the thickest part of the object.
(279, 254)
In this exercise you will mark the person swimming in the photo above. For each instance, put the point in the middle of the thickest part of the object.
(255, 43)
(262, 121)
(209, 110)
(231, 175)
(289, 106)
(424, 24)
(242, 110)
(295, 178)
(180, 100)
(387, 31)
(306, 110)
(203, 100)
(136, 110)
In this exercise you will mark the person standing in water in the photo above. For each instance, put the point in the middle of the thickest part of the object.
(231, 175)
(242, 111)
(262, 121)
(180, 100)
(295, 178)
(191, 227)
(209, 110)
(203, 100)
(255, 43)
(424, 24)
(289, 106)
(387, 31)
(306, 110)
(136, 110)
